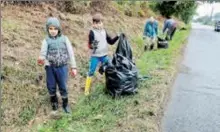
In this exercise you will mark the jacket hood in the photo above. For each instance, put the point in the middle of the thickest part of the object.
(53, 21)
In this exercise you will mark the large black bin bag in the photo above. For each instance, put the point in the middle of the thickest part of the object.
(162, 43)
(121, 73)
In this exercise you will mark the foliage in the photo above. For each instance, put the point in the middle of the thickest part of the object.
(183, 10)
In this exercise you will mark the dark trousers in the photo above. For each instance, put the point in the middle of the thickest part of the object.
(170, 33)
(57, 76)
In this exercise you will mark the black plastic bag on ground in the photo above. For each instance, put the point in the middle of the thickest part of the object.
(121, 73)
(121, 76)
(162, 43)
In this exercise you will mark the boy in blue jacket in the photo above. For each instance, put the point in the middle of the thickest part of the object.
(150, 34)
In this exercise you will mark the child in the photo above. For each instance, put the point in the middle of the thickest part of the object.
(169, 25)
(150, 34)
(98, 39)
(56, 52)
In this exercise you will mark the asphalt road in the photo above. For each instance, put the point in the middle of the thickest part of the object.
(194, 105)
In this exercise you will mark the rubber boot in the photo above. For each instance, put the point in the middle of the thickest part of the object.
(88, 83)
(145, 48)
(54, 102)
(66, 107)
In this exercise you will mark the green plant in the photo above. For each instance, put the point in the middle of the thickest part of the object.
(26, 114)
(183, 10)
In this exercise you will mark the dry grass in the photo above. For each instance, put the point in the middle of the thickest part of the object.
(25, 99)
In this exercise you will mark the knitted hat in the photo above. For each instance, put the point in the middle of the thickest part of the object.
(97, 17)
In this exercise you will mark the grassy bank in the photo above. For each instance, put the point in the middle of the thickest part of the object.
(25, 100)
(141, 112)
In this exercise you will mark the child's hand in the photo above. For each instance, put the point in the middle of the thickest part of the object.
(73, 72)
(40, 62)
(118, 34)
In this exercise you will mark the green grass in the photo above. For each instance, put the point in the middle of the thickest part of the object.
(26, 115)
(99, 112)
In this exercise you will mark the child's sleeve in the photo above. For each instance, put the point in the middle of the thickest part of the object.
(91, 39)
(110, 40)
(43, 51)
(145, 29)
(71, 53)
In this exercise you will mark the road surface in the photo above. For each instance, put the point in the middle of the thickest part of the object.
(194, 105)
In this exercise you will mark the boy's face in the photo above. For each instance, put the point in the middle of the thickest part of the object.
(98, 24)
(53, 31)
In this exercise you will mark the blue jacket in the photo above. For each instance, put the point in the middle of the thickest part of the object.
(168, 24)
(151, 29)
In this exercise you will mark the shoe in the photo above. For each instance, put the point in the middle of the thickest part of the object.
(54, 102)
(87, 87)
(66, 107)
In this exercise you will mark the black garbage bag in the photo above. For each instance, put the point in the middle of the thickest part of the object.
(121, 76)
(162, 43)
(124, 47)
(121, 73)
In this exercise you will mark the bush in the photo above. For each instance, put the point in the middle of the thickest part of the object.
(141, 13)
(183, 10)
(128, 13)
(74, 7)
